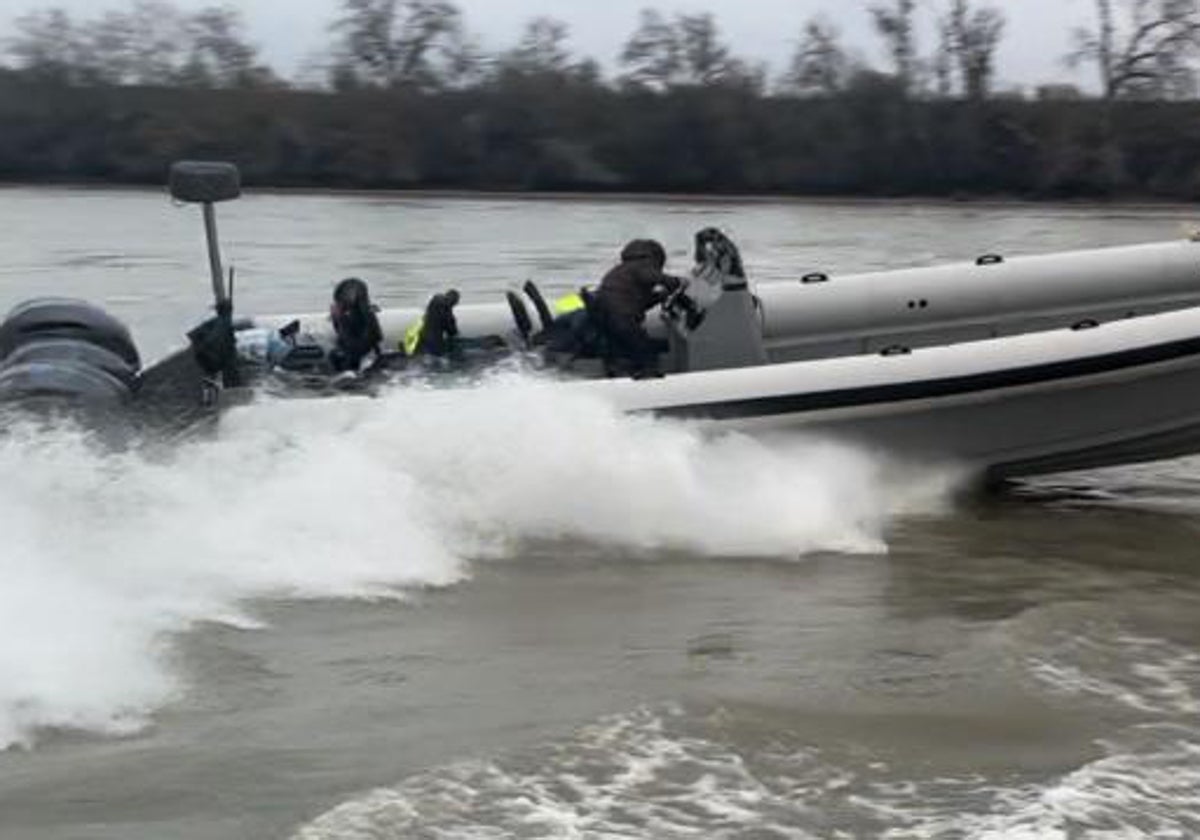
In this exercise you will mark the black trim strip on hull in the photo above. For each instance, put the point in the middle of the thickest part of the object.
(953, 386)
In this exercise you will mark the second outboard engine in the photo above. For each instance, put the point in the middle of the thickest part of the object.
(66, 351)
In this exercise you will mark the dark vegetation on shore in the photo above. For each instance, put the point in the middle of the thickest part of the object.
(398, 111)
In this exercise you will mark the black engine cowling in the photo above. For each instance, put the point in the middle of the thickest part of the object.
(49, 318)
(66, 351)
(60, 381)
(75, 352)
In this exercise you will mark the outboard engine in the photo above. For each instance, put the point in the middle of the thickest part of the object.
(60, 350)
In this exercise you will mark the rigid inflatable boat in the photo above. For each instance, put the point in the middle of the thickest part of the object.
(1005, 366)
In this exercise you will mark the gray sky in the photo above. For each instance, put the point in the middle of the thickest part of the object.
(292, 31)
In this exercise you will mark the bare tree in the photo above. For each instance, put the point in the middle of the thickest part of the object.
(146, 45)
(895, 23)
(463, 61)
(542, 48)
(1142, 49)
(705, 59)
(686, 51)
(974, 36)
(151, 43)
(139, 46)
(428, 28)
(820, 65)
(400, 42)
(157, 42)
(108, 50)
(47, 45)
(653, 56)
(943, 59)
(367, 51)
(219, 54)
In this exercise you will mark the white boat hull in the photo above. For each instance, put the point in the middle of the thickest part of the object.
(1044, 402)
(1024, 366)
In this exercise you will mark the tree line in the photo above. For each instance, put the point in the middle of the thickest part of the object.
(407, 97)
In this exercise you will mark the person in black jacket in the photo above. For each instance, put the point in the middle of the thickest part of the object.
(626, 294)
(439, 329)
(355, 324)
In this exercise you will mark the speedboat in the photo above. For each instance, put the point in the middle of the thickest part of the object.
(1004, 366)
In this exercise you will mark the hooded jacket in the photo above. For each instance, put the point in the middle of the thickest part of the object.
(355, 322)
(638, 284)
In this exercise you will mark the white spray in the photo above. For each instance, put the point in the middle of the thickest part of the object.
(107, 555)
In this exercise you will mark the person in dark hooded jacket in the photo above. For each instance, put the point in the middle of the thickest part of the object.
(439, 327)
(626, 294)
(356, 325)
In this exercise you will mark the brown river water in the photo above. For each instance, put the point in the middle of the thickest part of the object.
(500, 612)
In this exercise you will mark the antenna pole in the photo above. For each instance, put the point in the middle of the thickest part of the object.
(214, 257)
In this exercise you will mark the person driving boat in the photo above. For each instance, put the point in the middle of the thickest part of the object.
(628, 291)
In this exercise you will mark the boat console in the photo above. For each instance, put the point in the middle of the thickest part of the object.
(715, 323)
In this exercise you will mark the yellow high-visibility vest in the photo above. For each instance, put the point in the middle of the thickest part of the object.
(412, 337)
(569, 303)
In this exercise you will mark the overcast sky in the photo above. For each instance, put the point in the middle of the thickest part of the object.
(290, 32)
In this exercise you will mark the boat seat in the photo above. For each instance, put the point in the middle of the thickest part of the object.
(520, 317)
(539, 303)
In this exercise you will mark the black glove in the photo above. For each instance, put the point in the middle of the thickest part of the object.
(694, 314)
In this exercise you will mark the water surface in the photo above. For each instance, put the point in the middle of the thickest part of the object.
(506, 613)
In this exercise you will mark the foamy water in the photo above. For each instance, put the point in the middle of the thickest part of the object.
(107, 555)
(655, 774)
(671, 773)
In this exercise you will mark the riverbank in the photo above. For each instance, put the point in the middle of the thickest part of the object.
(571, 138)
(1130, 203)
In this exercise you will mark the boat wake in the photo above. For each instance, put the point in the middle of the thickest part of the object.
(666, 773)
(107, 555)
(731, 771)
